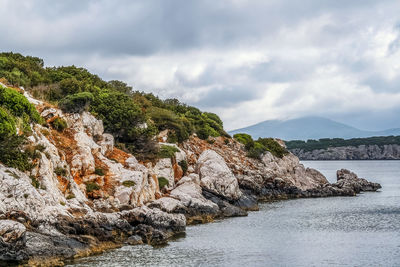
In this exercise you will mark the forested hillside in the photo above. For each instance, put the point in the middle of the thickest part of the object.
(325, 143)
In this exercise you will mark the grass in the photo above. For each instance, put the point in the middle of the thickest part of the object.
(129, 183)
(99, 172)
(60, 171)
(35, 181)
(90, 187)
(162, 182)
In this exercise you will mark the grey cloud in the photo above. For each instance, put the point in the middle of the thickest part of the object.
(226, 97)
(295, 40)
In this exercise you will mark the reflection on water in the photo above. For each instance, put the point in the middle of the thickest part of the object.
(344, 231)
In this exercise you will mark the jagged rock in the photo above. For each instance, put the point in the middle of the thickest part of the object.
(134, 240)
(12, 241)
(216, 177)
(348, 179)
(168, 204)
(226, 209)
(156, 218)
(190, 194)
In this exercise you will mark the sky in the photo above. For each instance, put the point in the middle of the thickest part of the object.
(246, 60)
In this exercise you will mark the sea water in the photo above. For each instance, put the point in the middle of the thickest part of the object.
(338, 231)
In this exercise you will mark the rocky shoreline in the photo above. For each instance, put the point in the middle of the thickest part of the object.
(362, 152)
(85, 196)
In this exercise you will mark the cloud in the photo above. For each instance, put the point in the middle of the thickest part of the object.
(246, 60)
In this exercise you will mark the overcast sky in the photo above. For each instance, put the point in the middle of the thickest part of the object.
(247, 61)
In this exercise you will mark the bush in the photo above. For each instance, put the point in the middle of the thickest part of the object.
(71, 196)
(273, 146)
(243, 138)
(35, 181)
(255, 149)
(12, 154)
(167, 151)
(7, 124)
(59, 171)
(76, 103)
(129, 183)
(184, 166)
(18, 105)
(162, 182)
(70, 86)
(99, 171)
(59, 124)
(90, 187)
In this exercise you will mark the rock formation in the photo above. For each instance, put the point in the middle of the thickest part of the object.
(84, 195)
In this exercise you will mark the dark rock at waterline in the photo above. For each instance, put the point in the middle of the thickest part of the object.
(226, 209)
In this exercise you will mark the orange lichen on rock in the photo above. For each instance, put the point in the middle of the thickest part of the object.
(178, 172)
(63, 183)
(118, 155)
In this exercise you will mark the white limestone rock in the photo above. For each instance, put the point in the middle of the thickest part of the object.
(216, 177)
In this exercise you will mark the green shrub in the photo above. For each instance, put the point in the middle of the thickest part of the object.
(70, 86)
(273, 146)
(59, 171)
(255, 149)
(162, 182)
(167, 151)
(7, 124)
(71, 196)
(18, 105)
(26, 195)
(90, 187)
(12, 154)
(35, 181)
(59, 124)
(243, 138)
(128, 183)
(99, 171)
(184, 166)
(40, 148)
(76, 103)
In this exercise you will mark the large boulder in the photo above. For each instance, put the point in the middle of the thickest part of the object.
(198, 208)
(216, 177)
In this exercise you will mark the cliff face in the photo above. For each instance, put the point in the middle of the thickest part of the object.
(84, 195)
(362, 152)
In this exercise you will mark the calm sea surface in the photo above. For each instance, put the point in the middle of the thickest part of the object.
(341, 231)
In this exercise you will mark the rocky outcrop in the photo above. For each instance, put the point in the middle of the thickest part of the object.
(346, 178)
(362, 152)
(216, 177)
(84, 195)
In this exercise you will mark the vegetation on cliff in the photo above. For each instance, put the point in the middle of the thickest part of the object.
(16, 114)
(326, 143)
(257, 148)
(133, 117)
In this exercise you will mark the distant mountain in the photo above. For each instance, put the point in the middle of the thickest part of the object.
(309, 128)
